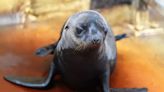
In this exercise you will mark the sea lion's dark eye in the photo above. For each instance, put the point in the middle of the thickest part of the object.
(79, 31)
(84, 26)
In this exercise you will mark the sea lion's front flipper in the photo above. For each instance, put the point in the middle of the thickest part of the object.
(46, 50)
(34, 83)
(120, 36)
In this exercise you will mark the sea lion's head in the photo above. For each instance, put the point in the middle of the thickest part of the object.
(86, 29)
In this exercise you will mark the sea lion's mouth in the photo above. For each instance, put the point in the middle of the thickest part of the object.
(94, 46)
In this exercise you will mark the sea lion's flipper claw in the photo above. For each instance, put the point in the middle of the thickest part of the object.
(34, 83)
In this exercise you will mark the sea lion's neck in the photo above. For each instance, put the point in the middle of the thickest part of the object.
(96, 52)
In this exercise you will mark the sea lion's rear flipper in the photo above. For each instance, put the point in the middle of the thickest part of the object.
(129, 89)
(34, 83)
(46, 50)
(120, 36)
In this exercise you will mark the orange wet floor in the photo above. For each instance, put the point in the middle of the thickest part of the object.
(140, 61)
(140, 64)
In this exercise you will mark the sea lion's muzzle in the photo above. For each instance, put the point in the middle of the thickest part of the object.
(94, 34)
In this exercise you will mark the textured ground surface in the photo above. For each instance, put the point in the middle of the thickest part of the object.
(140, 60)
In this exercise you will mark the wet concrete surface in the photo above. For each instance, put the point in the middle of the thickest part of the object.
(140, 63)
(17, 57)
(140, 60)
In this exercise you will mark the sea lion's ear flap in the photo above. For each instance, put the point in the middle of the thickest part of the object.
(106, 30)
(66, 27)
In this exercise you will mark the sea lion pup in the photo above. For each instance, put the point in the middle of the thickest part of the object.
(85, 54)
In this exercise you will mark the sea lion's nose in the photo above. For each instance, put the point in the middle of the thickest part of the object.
(96, 41)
